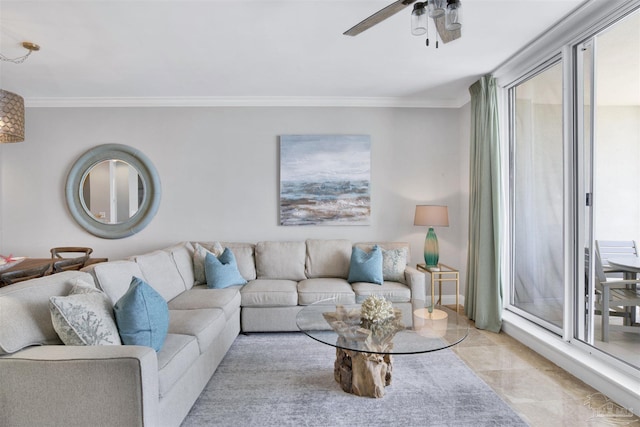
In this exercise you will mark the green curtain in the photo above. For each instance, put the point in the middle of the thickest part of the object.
(483, 295)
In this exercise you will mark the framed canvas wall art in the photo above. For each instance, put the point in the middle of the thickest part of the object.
(325, 179)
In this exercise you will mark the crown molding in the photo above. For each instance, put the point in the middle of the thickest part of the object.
(277, 101)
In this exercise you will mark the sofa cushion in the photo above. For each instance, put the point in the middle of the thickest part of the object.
(161, 273)
(182, 255)
(114, 277)
(280, 260)
(84, 317)
(389, 251)
(366, 267)
(178, 354)
(142, 316)
(222, 272)
(327, 258)
(245, 257)
(199, 256)
(200, 296)
(393, 291)
(394, 262)
(269, 293)
(205, 324)
(367, 246)
(24, 310)
(315, 290)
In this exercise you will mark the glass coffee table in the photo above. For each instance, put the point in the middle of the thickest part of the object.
(364, 350)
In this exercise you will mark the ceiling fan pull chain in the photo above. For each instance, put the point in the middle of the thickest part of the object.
(427, 26)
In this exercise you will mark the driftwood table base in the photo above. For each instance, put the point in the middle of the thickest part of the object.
(364, 340)
(362, 374)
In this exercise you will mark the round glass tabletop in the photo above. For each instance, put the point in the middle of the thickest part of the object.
(340, 325)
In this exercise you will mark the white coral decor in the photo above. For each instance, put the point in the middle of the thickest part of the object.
(376, 309)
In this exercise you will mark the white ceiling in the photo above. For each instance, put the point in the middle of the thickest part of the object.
(216, 52)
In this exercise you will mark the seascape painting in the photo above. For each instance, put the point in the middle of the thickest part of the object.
(324, 179)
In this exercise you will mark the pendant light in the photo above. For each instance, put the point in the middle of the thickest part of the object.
(11, 117)
(12, 104)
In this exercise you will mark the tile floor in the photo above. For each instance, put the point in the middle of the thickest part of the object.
(542, 393)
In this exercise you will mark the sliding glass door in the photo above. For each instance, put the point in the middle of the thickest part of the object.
(537, 197)
(608, 111)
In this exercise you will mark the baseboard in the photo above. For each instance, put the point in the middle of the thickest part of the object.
(622, 384)
(450, 299)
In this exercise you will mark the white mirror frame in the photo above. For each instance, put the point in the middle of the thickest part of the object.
(150, 202)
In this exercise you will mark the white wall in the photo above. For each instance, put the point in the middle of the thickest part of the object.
(219, 173)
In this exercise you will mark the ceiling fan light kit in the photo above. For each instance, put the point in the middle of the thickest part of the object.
(453, 16)
(436, 8)
(446, 15)
(419, 21)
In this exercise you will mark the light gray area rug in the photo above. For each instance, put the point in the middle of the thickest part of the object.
(286, 379)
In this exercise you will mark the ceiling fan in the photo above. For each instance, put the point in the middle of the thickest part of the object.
(445, 13)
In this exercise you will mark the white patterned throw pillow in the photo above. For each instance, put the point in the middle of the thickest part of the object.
(199, 256)
(84, 317)
(394, 262)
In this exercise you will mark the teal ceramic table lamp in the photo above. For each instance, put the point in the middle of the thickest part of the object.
(431, 216)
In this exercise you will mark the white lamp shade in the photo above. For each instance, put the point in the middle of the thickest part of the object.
(431, 216)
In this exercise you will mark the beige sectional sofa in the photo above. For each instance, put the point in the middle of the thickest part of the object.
(290, 275)
(44, 383)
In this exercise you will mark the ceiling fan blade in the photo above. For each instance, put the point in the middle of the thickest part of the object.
(378, 17)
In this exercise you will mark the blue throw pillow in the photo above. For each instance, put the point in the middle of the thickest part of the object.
(222, 272)
(366, 267)
(142, 316)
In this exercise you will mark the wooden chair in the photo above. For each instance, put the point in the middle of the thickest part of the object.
(617, 298)
(615, 249)
(21, 275)
(69, 263)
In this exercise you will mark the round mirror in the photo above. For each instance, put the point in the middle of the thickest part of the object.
(113, 191)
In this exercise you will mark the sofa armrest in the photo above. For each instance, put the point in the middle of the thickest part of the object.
(79, 386)
(417, 282)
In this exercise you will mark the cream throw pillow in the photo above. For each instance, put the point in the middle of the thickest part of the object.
(199, 255)
(394, 262)
(84, 317)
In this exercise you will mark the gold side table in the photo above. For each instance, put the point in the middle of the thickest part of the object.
(441, 273)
